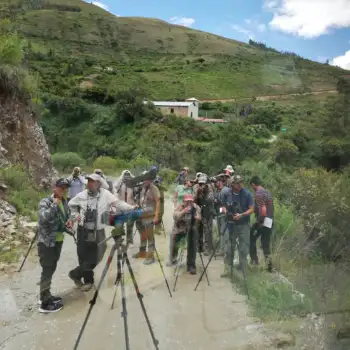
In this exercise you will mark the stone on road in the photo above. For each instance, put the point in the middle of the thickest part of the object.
(213, 317)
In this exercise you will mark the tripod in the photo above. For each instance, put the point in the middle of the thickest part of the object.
(181, 255)
(212, 256)
(122, 258)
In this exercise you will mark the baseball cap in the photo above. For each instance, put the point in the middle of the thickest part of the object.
(236, 179)
(101, 180)
(188, 197)
(62, 182)
(203, 179)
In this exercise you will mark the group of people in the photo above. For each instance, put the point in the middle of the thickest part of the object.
(222, 200)
(78, 204)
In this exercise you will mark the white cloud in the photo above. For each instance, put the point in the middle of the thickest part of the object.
(100, 4)
(342, 61)
(270, 4)
(251, 27)
(308, 18)
(248, 33)
(182, 21)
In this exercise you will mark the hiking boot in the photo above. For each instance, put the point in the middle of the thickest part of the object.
(50, 307)
(86, 287)
(140, 255)
(269, 267)
(149, 261)
(78, 283)
(52, 299)
(226, 273)
(192, 270)
(254, 261)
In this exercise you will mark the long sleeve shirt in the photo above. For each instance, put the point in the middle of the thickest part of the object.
(103, 202)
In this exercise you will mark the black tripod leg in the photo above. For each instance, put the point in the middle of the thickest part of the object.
(124, 313)
(120, 266)
(164, 229)
(28, 251)
(206, 275)
(93, 300)
(161, 267)
(206, 267)
(140, 296)
(177, 270)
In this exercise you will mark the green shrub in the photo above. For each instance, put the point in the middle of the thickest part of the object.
(109, 164)
(65, 162)
(22, 194)
(168, 175)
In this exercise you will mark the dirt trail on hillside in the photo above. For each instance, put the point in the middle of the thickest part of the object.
(271, 97)
(213, 317)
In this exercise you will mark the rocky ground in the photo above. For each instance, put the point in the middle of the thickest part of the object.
(15, 232)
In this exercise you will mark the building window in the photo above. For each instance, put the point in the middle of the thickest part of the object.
(172, 110)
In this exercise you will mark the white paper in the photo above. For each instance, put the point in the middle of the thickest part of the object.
(268, 222)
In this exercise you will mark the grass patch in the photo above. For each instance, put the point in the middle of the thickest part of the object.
(269, 298)
(10, 256)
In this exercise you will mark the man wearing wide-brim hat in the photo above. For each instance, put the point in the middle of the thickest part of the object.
(87, 209)
(238, 205)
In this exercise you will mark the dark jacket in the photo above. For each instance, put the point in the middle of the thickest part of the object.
(50, 220)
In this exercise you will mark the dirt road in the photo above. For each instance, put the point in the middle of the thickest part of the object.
(213, 317)
(272, 97)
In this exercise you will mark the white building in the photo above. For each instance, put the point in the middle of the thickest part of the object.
(188, 108)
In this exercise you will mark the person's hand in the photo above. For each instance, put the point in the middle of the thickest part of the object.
(69, 224)
(237, 217)
(57, 200)
(223, 210)
(156, 221)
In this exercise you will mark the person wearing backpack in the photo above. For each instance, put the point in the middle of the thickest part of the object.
(238, 205)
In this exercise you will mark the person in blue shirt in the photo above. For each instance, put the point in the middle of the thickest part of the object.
(238, 205)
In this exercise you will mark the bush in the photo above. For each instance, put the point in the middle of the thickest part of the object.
(109, 164)
(22, 194)
(65, 162)
(168, 175)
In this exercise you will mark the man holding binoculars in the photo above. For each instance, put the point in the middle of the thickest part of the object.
(238, 205)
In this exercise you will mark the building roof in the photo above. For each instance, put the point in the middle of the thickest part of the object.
(210, 120)
(170, 103)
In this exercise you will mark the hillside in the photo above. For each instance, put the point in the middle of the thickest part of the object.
(76, 46)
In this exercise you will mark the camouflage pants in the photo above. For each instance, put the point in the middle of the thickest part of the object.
(206, 233)
(129, 231)
(237, 235)
(146, 230)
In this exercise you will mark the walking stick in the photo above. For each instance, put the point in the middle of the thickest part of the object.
(29, 249)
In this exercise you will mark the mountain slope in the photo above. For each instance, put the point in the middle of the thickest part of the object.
(76, 46)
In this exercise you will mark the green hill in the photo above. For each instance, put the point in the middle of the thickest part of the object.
(76, 46)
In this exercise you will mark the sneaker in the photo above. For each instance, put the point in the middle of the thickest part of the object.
(78, 283)
(149, 261)
(53, 299)
(50, 307)
(140, 255)
(86, 287)
(192, 270)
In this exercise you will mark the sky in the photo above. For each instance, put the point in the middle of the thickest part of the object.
(315, 29)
